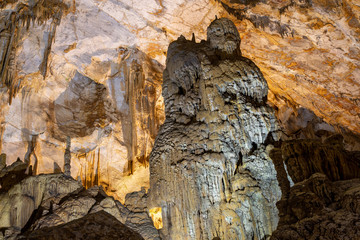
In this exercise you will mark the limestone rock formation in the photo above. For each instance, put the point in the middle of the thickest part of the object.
(209, 169)
(82, 107)
(15, 21)
(100, 225)
(46, 204)
(319, 208)
(19, 202)
(307, 50)
(111, 125)
(10, 175)
(318, 172)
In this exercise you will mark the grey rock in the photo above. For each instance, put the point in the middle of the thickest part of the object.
(2, 161)
(209, 168)
(80, 204)
(19, 203)
(317, 208)
(99, 225)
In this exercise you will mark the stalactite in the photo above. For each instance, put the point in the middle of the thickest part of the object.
(2, 130)
(8, 38)
(31, 152)
(91, 178)
(97, 173)
(141, 95)
(43, 66)
(91, 163)
(133, 79)
(67, 157)
(21, 16)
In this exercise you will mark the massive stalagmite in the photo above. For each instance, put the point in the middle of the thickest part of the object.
(209, 169)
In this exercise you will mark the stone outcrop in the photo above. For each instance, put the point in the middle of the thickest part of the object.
(10, 175)
(209, 169)
(305, 157)
(47, 204)
(22, 199)
(318, 172)
(100, 225)
(319, 208)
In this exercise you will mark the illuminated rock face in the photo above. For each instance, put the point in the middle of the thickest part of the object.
(209, 169)
(111, 124)
(108, 103)
(307, 50)
(48, 203)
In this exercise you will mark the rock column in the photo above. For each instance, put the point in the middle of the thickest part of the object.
(210, 170)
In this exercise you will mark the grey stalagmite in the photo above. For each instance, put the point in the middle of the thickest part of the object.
(210, 171)
(67, 157)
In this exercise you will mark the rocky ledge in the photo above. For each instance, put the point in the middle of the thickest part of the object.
(42, 206)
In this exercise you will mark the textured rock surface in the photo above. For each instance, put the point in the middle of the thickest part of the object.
(209, 168)
(305, 157)
(321, 203)
(79, 204)
(307, 50)
(12, 174)
(100, 225)
(111, 110)
(319, 208)
(82, 107)
(18, 204)
(46, 204)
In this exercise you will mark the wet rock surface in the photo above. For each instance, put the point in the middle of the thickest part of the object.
(209, 168)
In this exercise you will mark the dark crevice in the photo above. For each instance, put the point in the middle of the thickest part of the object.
(239, 162)
(37, 213)
(181, 91)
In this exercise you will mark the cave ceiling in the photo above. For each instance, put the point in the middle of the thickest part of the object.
(308, 50)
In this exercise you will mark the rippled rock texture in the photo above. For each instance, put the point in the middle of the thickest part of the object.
(209, 169)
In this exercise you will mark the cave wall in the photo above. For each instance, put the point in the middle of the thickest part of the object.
(307, 50)
(81, 93)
